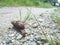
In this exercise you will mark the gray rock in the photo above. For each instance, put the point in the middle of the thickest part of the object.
(9, 41)
(37, 38)
(30, 43)
(27, 38)
(2, 43)
(15, 42)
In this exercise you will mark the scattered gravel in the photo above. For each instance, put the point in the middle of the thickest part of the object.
(34, 36)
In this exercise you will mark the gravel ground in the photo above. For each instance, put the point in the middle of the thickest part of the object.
(35, 37)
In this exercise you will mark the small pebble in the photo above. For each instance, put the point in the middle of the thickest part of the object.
(46, 43)
(11, 35)
(9, 41)
(19, 37)
(35, 25)
(27, 38)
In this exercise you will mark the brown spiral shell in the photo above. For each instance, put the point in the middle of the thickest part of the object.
(20, 26)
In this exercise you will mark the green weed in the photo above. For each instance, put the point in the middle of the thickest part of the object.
(37, 3)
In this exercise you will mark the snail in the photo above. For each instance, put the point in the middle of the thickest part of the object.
(19, 26)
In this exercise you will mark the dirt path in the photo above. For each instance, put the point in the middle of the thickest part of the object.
(7, 14)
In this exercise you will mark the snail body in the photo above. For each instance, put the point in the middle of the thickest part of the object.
(20, 26)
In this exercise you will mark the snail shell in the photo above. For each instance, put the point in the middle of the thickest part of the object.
(18, 24)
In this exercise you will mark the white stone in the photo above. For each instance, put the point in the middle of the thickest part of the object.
(28, 31)
(31, 37)
(35, 25)
(19, 36)
(33, 43)
(46, 43)
(11, 35)
(40, 20)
